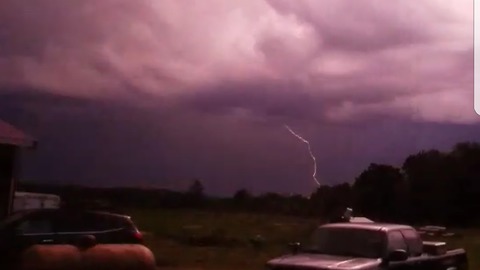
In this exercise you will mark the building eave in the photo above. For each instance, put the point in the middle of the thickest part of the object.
(10, 135)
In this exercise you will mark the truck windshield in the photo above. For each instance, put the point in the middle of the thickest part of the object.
(347, 242)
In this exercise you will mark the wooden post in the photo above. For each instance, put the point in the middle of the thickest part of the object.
(7, 188)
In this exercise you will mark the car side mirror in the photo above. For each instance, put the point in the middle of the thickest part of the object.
(294, 247)
(397, 256)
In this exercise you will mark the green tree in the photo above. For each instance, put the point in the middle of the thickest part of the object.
(196, 188)
(465, 182)
(331, 201)
(379, 192)
(242, 195)
(195, 193)
(429, 178)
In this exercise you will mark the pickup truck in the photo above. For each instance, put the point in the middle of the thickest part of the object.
(363, 246)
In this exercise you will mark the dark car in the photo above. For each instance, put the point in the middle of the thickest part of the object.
(63, 226)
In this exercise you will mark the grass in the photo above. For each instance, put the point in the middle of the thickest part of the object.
(188, 239)
(469, 239)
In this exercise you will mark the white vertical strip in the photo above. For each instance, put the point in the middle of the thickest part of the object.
(476, 53)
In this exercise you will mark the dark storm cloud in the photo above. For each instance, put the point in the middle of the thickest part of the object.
(362, 26)
(336, 50)
(176, 89)
(271, 101)
(104, 143)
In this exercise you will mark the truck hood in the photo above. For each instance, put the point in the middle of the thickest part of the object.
(321, 261)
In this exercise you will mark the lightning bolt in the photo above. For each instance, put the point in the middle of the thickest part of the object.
(309, 151)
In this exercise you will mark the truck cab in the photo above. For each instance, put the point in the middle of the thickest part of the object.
(369, 246)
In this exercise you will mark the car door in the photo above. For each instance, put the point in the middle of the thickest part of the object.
(397, 241)
(414, 248)
(100, 226)
(33, 229)
(105, 228)
(113, 229)
(70, 226)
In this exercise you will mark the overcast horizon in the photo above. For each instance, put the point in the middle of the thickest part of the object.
(156, 93)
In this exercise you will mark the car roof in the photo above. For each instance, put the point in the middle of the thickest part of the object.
(105, 213)
(63, 210)
(367, 226)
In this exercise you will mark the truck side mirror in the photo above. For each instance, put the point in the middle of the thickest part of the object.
(397, 256)
(295, 247)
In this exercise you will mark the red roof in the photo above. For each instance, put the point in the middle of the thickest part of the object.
(13, 136)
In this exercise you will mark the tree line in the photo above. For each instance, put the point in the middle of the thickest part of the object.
(430, 186)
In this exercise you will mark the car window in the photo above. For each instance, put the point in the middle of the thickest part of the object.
(101, 222)
(97, 222)
(71, 222)
(35, 225)
(74, 222)
(396, 241)
(414, 243)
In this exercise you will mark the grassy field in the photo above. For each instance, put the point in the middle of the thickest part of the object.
(187, 239)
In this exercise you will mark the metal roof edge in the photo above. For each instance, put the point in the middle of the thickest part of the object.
(11, 135)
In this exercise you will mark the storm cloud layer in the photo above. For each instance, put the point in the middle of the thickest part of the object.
(219, 68)
(401, 57)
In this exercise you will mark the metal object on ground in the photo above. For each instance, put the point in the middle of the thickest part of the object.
(105, 257)
(29, 200)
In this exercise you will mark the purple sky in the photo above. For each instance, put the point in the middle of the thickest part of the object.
(151, 92)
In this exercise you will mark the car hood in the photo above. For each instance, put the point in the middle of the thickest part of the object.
(321, 261)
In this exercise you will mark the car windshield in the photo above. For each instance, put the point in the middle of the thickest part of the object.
(347, 242)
